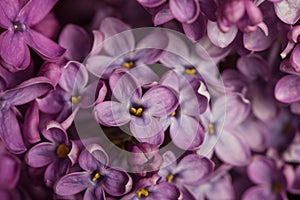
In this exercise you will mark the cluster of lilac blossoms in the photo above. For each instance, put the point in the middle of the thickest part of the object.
(150, 99)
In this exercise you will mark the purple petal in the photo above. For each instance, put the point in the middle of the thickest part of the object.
(100, 66)
(165, 191)
(10, 169)
(27, 91)
(164, 15)
(288, 11)
(9, 9)
(218, 37)
(31, 130)
(75, 50)
(34, 11)
(111, 113)
(151, 3)
(147, 129)
(186, 133)
(45, 47)
(144, 74)
(121, 43)
(222, 188)
(72, 183)
(55, 133)
(52, 71)
(53, 102)
(93, 157)
(185, 11)
(94, 194)
(191, 165)
(90, 97)
(74, 77)
(261, 170)
(171, 80)
(230, 149)
(124, 86)
(197, 29)
(252, 67)
(56, 170)
(160, 101)
(97, 43)
(258, 192)
(294, 59)
(41, 154)
(287, 89)
(14, 51)
(116, 182)
(10, 131)
(257, 40)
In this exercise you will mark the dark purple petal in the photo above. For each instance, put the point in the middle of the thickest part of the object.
(55, 170)
(111, 113)
(14, 51)
(194, 169)
(72, 183)
(10, 131)
(230, 149)
(27, 91)
(287, 89)
(147, 129)
(218, 37)
(94, 194)
(41, 154)
(295, 58)
(75, 50)
(160, 101)
(151, 3)
(93, 158)
(185, 11)
(258, 192)
(197, 29)
(45, 47)
(165, 191)
(9, 9)
(10, 169)
(261, 170)
(116, 182)
(186, 133)
(55, 133)
(53, 102)
(164, 15)
(52, 71)
(34, 11)
(252, 67)
(31, 130)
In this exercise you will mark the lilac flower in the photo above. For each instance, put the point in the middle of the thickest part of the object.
(59, 154)
(97, 179)
(287, 10)
(150, 188)
(191, 170)
(18, 18)
(145, 158)
(123, 52)
(25, 92)
(227, 112)
(271, 182)
(186, 130)
(142, 111)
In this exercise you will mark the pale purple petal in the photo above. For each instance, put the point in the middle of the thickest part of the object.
(287, 89)
(44, 46)
(186, 133)
(218, 37)
(72, 183)
(258, 192)
(144, 74)
(252, 67)
(53, 102)
(222, 188)
(116, 182)
(164, 15)
(55, 170)
(151, 3)
(93, 158)
(160, 101)
(14, 51)
(261, 170)
(230, 149)
(10, 131)
(288, 11)
(97, 43)
(185, 11)
(55, 133)
(295, 58)
(34, 11)
(101, 66)
(41, 154)
(111, 113)
(31, 130)
(165, 191)
(257, 40)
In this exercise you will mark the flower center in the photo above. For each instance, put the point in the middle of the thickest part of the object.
(211, 128)
(96, 176)
(128, 64)
(276, 188)
(19, 27)
(287, 128)
(142, 192)
(137, 112)
(76, 100)
(62, 151)
(190, 71)
(173, 114)
(169, 178)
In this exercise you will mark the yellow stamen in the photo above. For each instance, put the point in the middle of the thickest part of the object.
(96, 177)
(190, 71)
(16, 26)
(173, 114)
(128, 64)
(137, 112)
(62, 151)
(142, 192)
(76, 100)
(170, 178)
(210, 128)
(276, 188)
